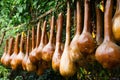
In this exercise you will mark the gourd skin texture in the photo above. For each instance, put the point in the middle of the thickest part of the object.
(86, 43)
(108, 53)
(116, 22)
(75, 53)
(67, 67)
(47, 56)
(56, 58)
(116, 27)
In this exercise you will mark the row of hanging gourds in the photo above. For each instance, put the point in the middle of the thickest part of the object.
(65, 58)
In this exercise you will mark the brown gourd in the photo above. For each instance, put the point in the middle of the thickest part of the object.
(27, 51)
(30, 66)
(75, 53)
(67, 67)
(10, 51)
(99, 25)
(32, 55)
(21, 53)
(5, 52)
(116, 22)
(15, 53)
(58, 50)
(49, 49)
(108, 53)
(62, 44)
(42, 43)
(86, 42)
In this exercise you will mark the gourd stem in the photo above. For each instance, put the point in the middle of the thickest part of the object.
(87, 16)
(79, 19)
(43, 33)
(59, 28)
(21, 44)
(67, 42)
(16, 50)
(108, 20)
(99, 24)
(33, 38)
(52, 30)
(10, 46)
(27, 43)
(38, 35)
(6, 46)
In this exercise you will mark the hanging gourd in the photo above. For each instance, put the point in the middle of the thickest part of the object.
(108, 53)
(49, 49)
(75, 53)
(116, 22)
(67, 66)
(33, 55)
(13, 62)
(10, 51)
(58, 51)
(87, 44)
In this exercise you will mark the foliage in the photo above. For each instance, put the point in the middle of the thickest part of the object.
(3, 73)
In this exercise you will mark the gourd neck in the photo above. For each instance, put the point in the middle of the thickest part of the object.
(33, 38)
(52, 30)
(16, 50)
(79, 18)
(59, 28)
(108, 21)
(43, 33)
(6, 46)
(21, 44)
(11, 42)
(38, 35)
(67, 42)
(99, 24)
(87, 16)
(27, 43)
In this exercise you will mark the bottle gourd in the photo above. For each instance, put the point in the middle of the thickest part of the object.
(108, 53)
(116, 22)
(58, 51)
(86, 42)
(75, 53)
(13, 62)
(67, 67)
(32, 55)
(10, 51)
(49, 49)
